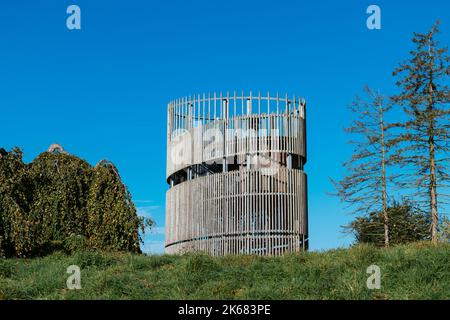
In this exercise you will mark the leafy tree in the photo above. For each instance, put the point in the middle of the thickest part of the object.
(111, 218)
(425, 97)
(365, 186)
(59, 184)
(12, 200)
(59, 200)
(407, 223)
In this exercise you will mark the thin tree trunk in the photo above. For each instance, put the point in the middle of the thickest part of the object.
(383, 179)
(432, 182)
(433, 194)
(431, 144)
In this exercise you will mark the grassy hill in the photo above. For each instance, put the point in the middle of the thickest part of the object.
(416, 271)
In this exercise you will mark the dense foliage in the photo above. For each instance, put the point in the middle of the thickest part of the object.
(407, 223)
(60, 201)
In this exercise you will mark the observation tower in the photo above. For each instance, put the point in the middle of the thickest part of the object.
(235, 174)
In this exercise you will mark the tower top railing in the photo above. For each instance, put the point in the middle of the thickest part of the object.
(196, 110)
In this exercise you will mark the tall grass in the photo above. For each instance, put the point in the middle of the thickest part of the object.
(415, 271)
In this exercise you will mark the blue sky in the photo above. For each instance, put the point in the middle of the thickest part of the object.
(102, 91)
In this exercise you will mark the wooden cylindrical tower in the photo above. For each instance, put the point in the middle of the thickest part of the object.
(235, 171)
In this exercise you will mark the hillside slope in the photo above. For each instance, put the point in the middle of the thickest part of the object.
(416, 271)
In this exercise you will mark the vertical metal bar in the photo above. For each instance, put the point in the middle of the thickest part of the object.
(215, 100)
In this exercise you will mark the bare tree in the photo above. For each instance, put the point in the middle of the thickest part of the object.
(365, 186)
(424, 142)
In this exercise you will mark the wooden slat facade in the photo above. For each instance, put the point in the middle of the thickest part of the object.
(250, 193)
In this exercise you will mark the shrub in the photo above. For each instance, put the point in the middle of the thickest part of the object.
(45, 203)
(407, 224)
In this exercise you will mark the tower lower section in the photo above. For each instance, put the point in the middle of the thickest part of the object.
(239, 212)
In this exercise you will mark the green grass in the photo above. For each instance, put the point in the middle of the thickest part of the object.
(416, 271)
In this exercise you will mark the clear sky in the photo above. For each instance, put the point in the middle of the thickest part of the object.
(102, 91)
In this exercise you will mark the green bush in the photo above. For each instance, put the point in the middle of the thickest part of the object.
(75, 243)
(407, 223)
(45, 203)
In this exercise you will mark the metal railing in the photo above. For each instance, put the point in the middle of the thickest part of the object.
(192, 111)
